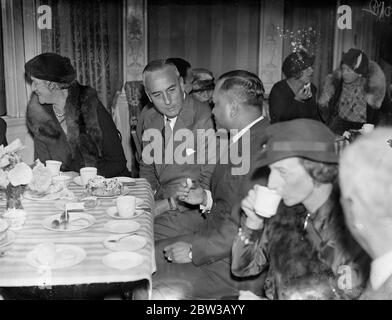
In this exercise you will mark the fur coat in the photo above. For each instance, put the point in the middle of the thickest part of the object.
(375, 88)
(91, 140)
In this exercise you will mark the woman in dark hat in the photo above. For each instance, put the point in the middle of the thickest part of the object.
(307, 236)
(352, 94)
(295, 96)
(67, 120)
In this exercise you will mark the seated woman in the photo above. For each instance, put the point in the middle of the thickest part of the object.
(294, 97)
(307, 235)
(68, 122)
(3, 132)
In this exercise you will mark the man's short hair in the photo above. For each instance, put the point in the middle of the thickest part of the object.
(157, 65)
(181, 65)
(247, 88)
(366, 170)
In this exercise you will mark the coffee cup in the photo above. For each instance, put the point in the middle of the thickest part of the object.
(87, 173)
(54, 166)
(367, 128)
(126, 206)
(267, 201)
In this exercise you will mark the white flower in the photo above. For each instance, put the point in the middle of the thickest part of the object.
(14, 146)
(3, 179)
(20, 175)
(4, 161)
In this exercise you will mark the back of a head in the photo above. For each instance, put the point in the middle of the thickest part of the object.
(366, 171)
(244, 86)
(181, 65)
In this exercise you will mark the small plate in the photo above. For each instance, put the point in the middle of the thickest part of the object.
(125, 179)
(113, 213)
(81, 221)
(127, 243)
(122, 260)
(124, 192)
(121, 226)
(10, 238)
(66, 256)
(47, 197)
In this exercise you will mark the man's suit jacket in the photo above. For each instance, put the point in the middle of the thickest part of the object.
(214, 239)
(164, 178)
(383, 293)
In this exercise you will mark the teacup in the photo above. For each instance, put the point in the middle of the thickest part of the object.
(267, 201)
(87, 173)
(126, 206)
(367, 128)
(61, 179)
(54, 166)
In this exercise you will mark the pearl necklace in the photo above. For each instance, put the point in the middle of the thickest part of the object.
(58, 115)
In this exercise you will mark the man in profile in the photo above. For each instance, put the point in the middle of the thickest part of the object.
(173, 110)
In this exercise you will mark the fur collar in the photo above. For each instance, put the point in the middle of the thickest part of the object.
(375, 86)
(81, 114)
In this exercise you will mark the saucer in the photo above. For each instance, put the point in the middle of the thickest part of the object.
(132, 242)
(113, 213)
(122, 260)
(121, 226)
(77, 221)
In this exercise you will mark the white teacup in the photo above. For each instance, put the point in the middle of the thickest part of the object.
(87, 173)
(126, 206)
(267, 201)
(367, 128)
(53, 166)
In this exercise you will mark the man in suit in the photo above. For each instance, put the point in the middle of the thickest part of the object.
(166, 160)
(197, 265)
(365, 175)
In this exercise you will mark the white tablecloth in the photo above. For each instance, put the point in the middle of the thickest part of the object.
(15, 271)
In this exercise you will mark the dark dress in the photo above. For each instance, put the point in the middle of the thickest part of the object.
(284, 107)
(3, 132)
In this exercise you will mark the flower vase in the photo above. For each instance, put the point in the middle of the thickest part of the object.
(15, 213)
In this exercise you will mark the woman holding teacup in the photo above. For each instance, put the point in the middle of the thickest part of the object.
(304, 235)
(68, 122)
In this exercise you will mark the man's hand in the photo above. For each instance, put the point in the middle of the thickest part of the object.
(161, 206)
(248, 295)
(253, 221)
(191, 194)
(178, 252)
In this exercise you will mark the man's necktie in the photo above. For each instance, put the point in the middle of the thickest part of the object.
(168, 132)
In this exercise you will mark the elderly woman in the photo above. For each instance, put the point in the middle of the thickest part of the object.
(366, 183)
(295, 96)
(307, 237)
(67, 120)
(203, 85)
(352, 94)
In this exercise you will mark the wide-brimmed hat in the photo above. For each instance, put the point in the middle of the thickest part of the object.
(52, 67)
(296, 62)
(357, 60)
(303, 138)
(203, 80)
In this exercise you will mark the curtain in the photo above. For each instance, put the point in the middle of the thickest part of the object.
(3, 107)
(89, 32)
(219, 35)
(313, 24)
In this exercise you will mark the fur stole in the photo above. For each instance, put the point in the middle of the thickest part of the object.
(81, 113)
(375, 86)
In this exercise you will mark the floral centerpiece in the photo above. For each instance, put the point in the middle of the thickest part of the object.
(15, 175)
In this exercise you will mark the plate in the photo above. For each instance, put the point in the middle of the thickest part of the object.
(122, 260)
(65, 193)
(113, 213)
(121, 226)
(66, 256)
(10, 238)
(124, 192)
(139, 203)
(127, 243)
(125, 179)
(77, 221)
(60, 204)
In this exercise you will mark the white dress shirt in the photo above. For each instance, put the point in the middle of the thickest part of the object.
(381, 270)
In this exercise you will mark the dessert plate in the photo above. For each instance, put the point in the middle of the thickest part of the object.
(89, 203)
(121, 226)
(65, 256)
(122, 260)
(132, 242)
(29, 195)
(77, 221)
